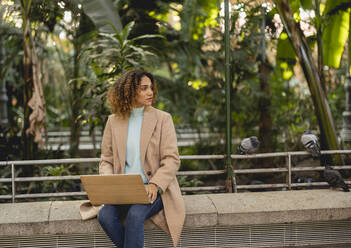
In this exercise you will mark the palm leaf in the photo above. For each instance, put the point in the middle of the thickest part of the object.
(335, 32)
(103, 14)
(349, 46)
(126, 30)
(148, 36)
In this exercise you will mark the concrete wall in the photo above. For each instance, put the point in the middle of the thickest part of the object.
(261, 219)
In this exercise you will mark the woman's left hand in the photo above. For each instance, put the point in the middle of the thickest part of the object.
(151, 190)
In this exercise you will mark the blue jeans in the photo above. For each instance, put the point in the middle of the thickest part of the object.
(132, 235)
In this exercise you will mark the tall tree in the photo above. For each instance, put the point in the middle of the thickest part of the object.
(28, 140)
(300, 45)
(265, 126)
(105, 16)
(76, 96)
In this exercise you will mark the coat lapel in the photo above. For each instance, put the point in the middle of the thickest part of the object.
(122, 131)
(148, 126)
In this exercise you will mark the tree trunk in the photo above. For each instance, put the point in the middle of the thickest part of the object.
(264, 102)
(320, 46)
(265, 126)
(77, 87)
(27, 140)
(322, 110)
(76, 103)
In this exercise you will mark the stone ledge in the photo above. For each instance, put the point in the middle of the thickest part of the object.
(282, 206)
(60, 217)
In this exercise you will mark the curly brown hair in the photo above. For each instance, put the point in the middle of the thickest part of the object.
(122, 94)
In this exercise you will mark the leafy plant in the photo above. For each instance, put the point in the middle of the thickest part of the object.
(185, 181)
(110, 55)
(60, 185)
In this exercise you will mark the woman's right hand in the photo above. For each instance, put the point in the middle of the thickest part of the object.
(151, 190)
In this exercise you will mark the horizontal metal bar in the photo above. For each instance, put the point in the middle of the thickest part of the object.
(309, 184)
(266, 170)
(335, 151)
(5, 197)
(319, 168)
(39, 195)
(274, 170)
(264, 155)
(314, 184)
(51, 161)
(208, 188)
(262, 186)
(284, 154)
(5, 180)
(53, 178)
(188, 157)
(200, 173)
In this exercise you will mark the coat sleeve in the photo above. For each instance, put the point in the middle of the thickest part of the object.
(169, 156)
(106, 163)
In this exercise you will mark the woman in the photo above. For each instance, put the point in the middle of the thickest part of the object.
(139, 139)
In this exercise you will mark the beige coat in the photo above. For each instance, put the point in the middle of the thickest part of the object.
(159, 158)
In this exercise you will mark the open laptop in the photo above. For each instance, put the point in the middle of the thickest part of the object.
(115, 189)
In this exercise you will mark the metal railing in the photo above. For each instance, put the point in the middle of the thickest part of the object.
(287, 184)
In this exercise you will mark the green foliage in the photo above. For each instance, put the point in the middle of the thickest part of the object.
(321, 106)
(103, 13)
(196, 16)
(189, 68)
(335, 26)
(245, 54)
(6, 188)
(186, 181)
(306, 4)
(110, 55)
(292, 112)
(55, 186)
(46, 12)
(286, 56)
(335, 31)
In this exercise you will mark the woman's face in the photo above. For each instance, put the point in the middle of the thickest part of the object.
(145, 93)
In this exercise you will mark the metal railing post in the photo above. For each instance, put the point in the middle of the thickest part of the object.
(13, 182)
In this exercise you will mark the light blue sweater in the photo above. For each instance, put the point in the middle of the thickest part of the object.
(133, 160)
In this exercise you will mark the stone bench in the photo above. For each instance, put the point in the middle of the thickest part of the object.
(306, 218)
